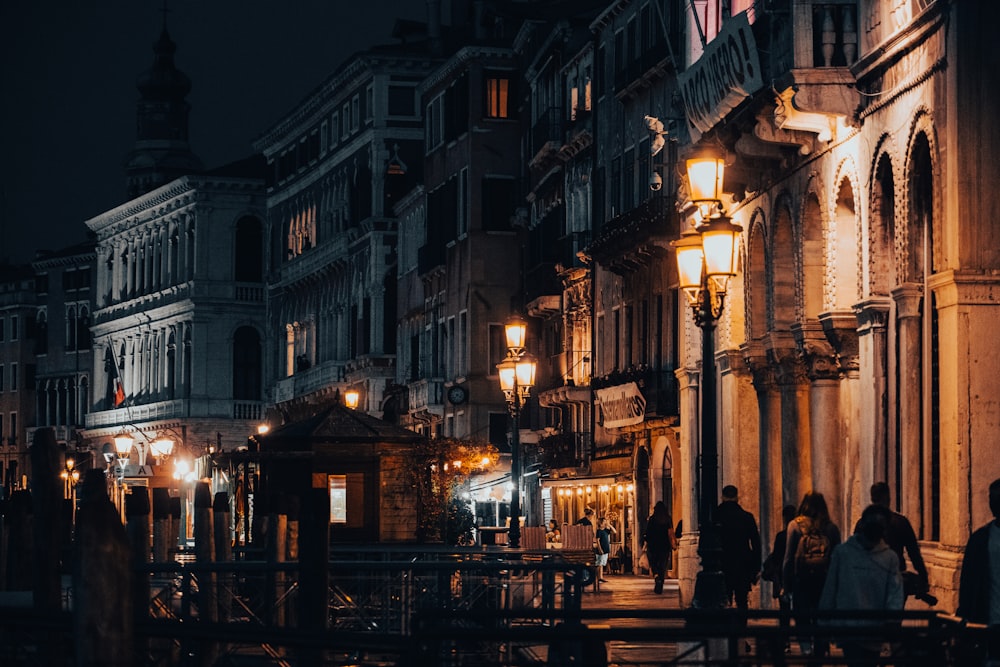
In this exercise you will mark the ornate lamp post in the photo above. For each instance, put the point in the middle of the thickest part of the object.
(517, 377)
(706, 260)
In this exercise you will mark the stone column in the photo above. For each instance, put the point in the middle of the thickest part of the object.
(910, 373)
(856, 464)
(687, 554)
(823, 371)
(876, 430)
(772, 488)
(793, 388)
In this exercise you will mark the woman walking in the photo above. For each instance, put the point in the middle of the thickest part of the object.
(658, 540)
(810, 540)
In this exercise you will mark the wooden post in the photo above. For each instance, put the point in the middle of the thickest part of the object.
(314, 568)
(204, 551)
(19, 542)
(223, 553)
(161, 525)
(276, 555)
(102, 580)
(175, 525)
(137, 531)
(46, 501)
(48, 529)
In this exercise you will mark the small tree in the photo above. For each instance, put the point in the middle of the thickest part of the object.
(439, 471)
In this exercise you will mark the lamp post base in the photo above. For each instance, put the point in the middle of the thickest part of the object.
(709, 590)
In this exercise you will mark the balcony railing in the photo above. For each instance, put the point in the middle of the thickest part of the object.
(548, 128)
(426, 396)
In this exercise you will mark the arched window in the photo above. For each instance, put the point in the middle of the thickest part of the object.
(249, 249)
(246, 365)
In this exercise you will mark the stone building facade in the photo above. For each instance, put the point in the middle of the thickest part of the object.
(847, 353)
(336, 165)
(17, 370)
(64, 285)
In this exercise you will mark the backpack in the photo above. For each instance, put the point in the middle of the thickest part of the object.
(812, 555)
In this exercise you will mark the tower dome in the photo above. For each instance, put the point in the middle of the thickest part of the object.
(161, 152)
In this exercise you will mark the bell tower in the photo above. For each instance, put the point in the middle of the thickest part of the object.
(161, 152)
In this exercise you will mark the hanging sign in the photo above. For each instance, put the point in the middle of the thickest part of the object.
(727, 73)
(621, 405)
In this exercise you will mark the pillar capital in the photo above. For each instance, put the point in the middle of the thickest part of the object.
(841, 329)
(873, 315)
(818, 354)
(907, 298)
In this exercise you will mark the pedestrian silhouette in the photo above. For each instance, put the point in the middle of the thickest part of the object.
(811, 538)
(658, 540)
(740, 547)
(980, 577)
(900, 537)
(864, 575)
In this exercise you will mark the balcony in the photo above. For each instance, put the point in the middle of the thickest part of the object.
(808, 58)
(426, 398)
(564, 450)
(546, 135)
(314, 262)
(658, 387)
(320, 376)
(632, 239)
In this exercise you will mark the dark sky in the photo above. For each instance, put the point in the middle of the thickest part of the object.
(68, 73)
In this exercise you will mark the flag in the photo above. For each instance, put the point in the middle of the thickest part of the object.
(117, 388)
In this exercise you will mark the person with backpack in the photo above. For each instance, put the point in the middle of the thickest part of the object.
(809, 542)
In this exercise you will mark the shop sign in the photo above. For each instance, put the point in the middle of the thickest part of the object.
(727, 72)
(621, 405)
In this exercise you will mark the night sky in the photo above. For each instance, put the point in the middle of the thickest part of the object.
(68, 103)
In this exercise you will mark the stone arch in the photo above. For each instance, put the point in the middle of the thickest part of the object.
(882, 232)
(842, 235)
(813, 257)
(781, 275)
(756, 279)
(920, 162)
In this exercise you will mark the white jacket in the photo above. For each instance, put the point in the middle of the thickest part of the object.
(863, 578)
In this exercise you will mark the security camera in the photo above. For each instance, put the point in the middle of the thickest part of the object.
(655, 181)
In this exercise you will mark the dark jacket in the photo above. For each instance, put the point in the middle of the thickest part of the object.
(740, 539)
(974, 582)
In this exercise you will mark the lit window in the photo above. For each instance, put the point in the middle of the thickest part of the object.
(338, 498)
(497, 93)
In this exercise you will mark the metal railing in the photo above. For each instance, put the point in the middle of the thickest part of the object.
(410, 606)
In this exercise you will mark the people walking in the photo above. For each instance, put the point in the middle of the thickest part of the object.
(900, 537)
(864, 575)
(810, 539)
(979, 582)
(740, 540)
(771, 571)
(604, 532)
(658, 540)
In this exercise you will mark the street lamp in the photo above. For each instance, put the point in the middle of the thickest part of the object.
(517, 377)
(706, 260)
(123, 447)
(352, 397)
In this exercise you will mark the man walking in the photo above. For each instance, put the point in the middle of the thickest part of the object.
(740, 547)
(979, 585)
(899, 535)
